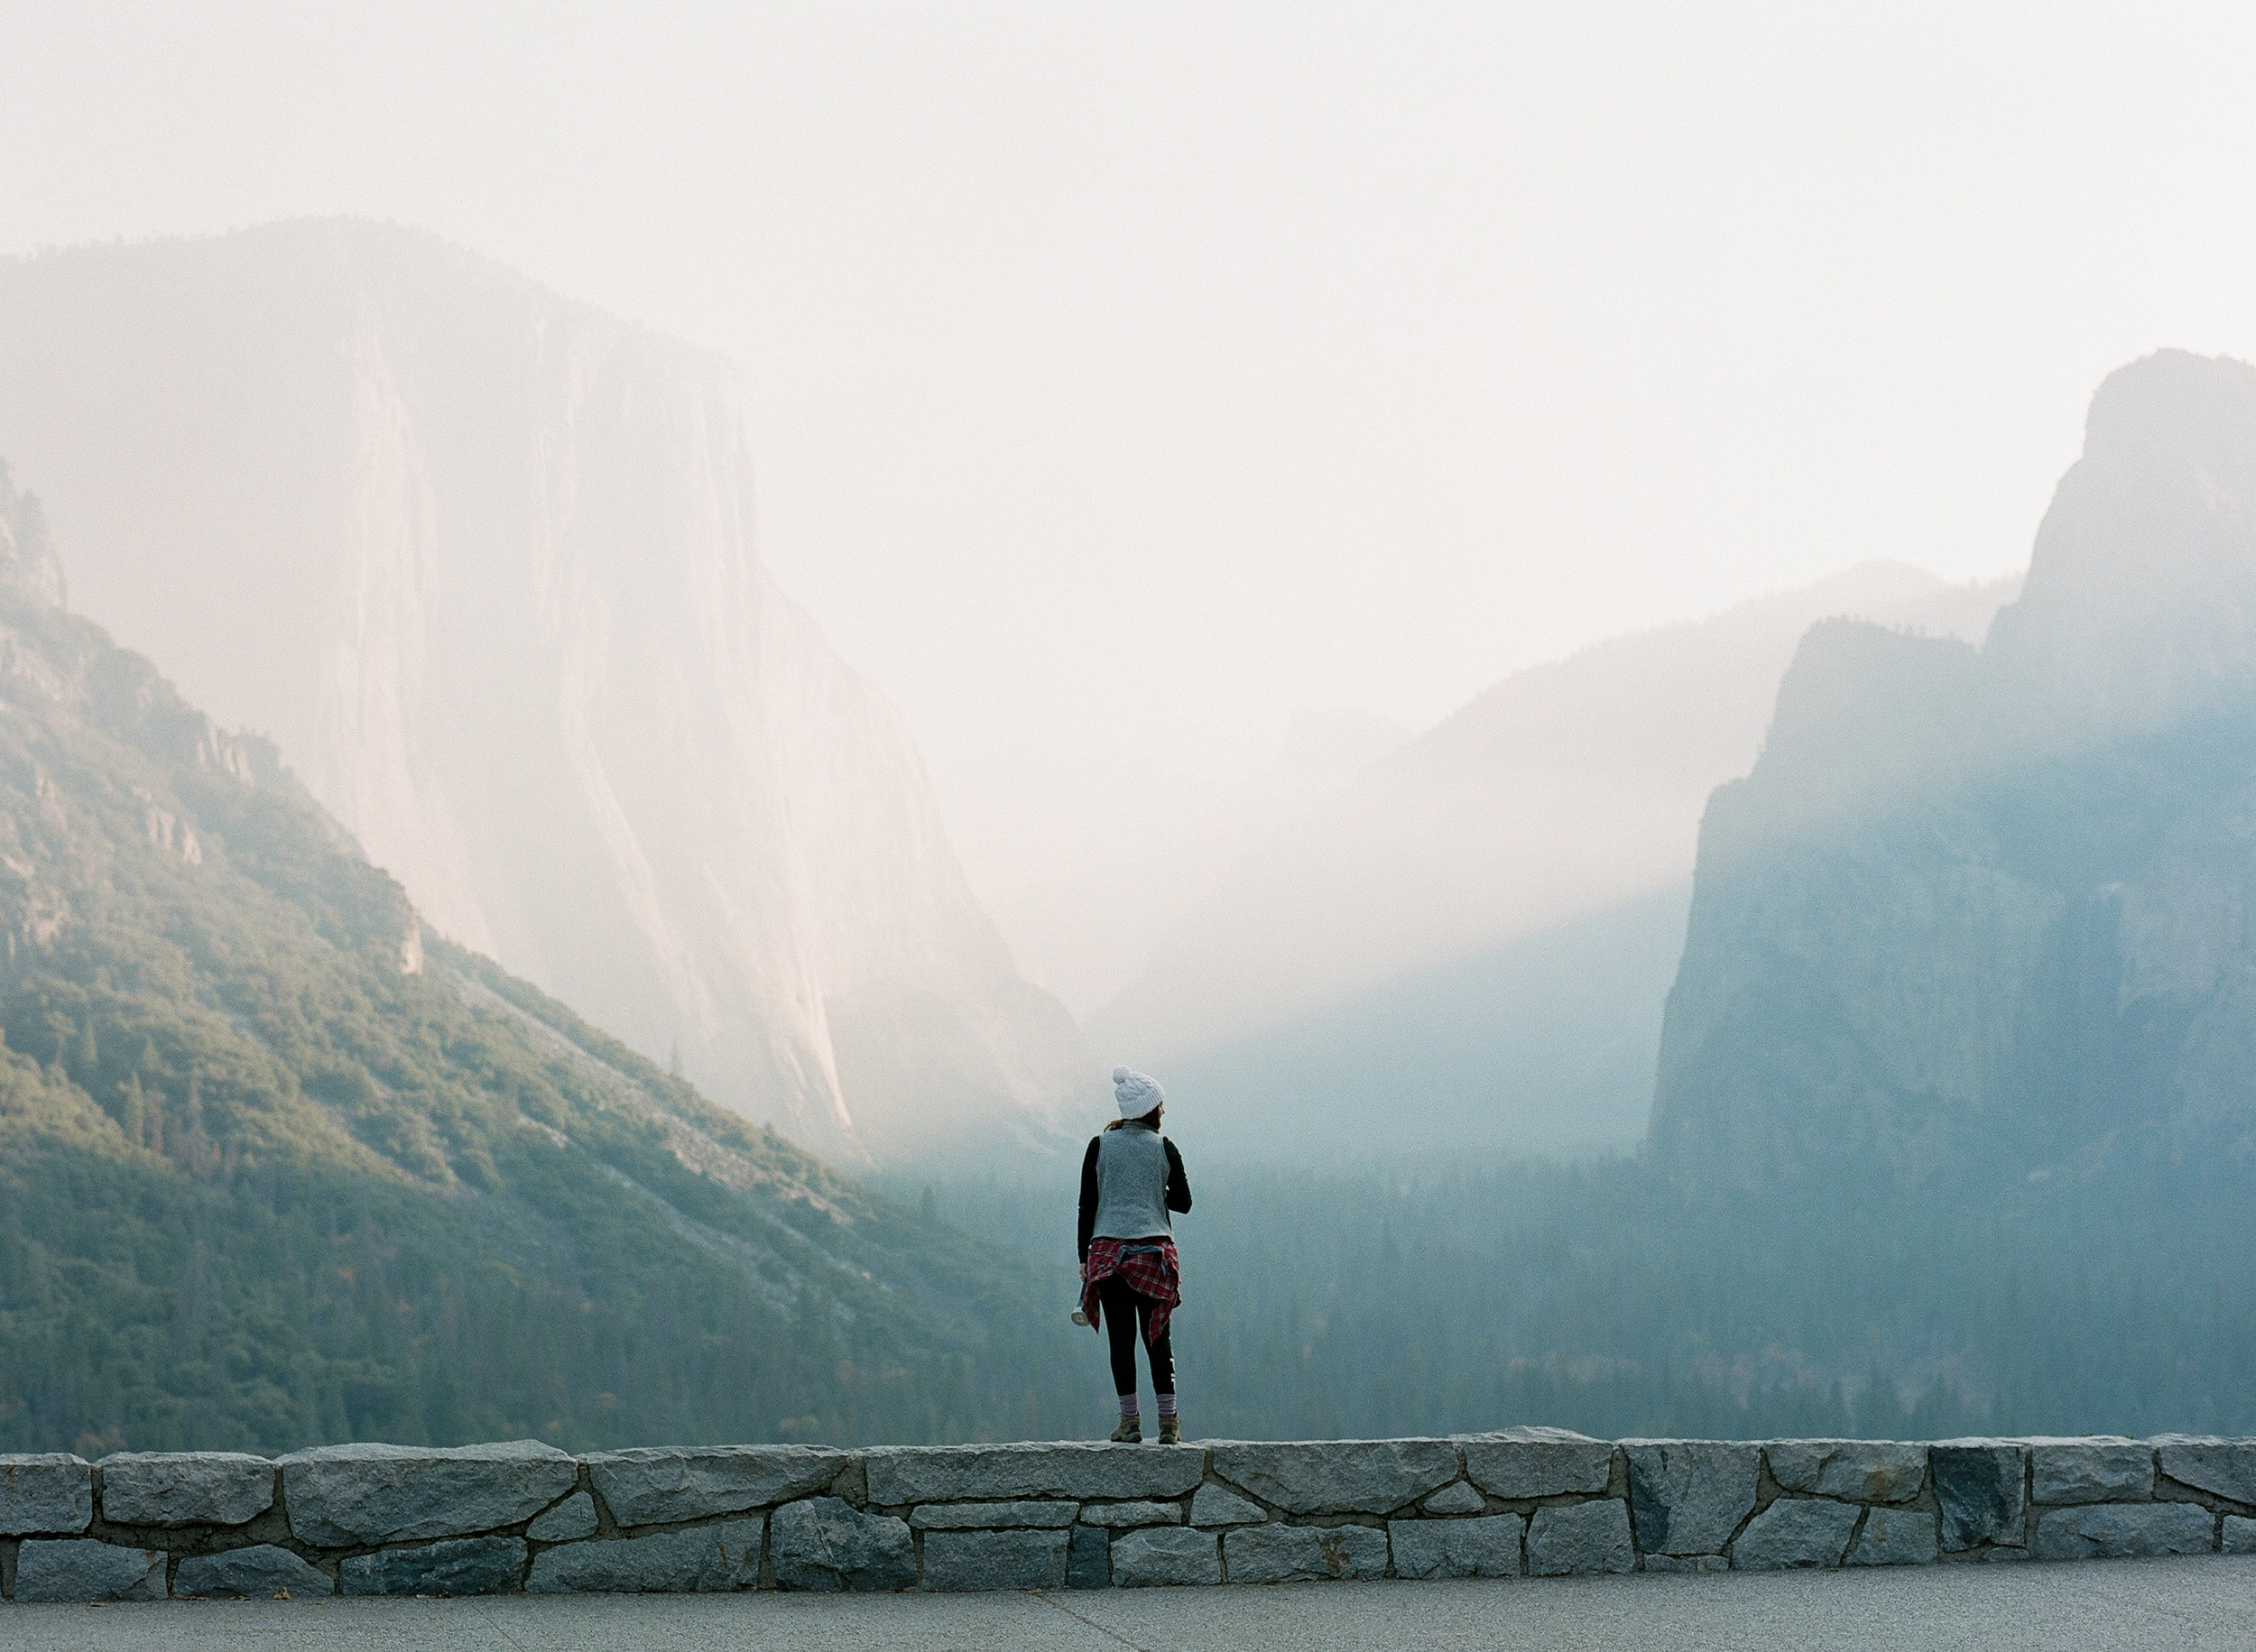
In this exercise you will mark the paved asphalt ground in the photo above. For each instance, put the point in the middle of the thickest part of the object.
(2118, 1606)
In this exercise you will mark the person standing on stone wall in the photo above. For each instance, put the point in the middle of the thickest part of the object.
(1131, 1177)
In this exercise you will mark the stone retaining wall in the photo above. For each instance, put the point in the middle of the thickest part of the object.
(382, 1520)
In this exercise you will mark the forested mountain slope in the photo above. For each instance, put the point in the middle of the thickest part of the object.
(275, 1167)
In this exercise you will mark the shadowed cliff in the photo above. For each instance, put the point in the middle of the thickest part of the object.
(1992, 909)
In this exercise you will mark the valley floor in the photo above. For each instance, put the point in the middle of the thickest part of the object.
(2181, 1605)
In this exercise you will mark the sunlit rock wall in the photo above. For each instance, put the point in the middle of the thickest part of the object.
(481, 560)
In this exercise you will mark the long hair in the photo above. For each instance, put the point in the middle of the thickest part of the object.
(1151, 1118)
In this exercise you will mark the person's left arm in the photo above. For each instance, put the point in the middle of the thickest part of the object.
(1087, 1227)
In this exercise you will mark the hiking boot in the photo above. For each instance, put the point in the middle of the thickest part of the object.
(1171, 1430)
(1129, 1432)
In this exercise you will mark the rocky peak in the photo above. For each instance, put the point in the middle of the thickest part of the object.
(2142, 597)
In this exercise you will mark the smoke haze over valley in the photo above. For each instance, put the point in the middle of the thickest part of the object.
(1122, 385)
(634, 650)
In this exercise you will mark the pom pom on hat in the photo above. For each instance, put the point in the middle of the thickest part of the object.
(1138, 1093)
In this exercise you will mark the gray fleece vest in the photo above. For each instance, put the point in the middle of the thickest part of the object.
(1130, 1183)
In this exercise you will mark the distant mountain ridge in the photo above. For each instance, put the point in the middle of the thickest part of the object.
(1997, 905)
(276, 1168)
(1479, 931)
(481, 560)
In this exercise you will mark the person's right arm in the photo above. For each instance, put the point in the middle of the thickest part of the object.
(1088, 1198)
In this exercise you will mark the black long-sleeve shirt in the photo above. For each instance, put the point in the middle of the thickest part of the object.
(1178, 1186)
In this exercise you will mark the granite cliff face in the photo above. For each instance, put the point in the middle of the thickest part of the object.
(1996, 907)
(481, 561)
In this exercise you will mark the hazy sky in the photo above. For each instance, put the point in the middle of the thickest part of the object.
(1126, 377)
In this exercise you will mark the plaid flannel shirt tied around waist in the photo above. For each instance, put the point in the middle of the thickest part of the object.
(1149, 1266)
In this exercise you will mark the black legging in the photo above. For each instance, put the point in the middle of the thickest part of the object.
(1127, 1311)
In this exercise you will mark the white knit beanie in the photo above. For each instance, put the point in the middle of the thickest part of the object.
(1137, 1093)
